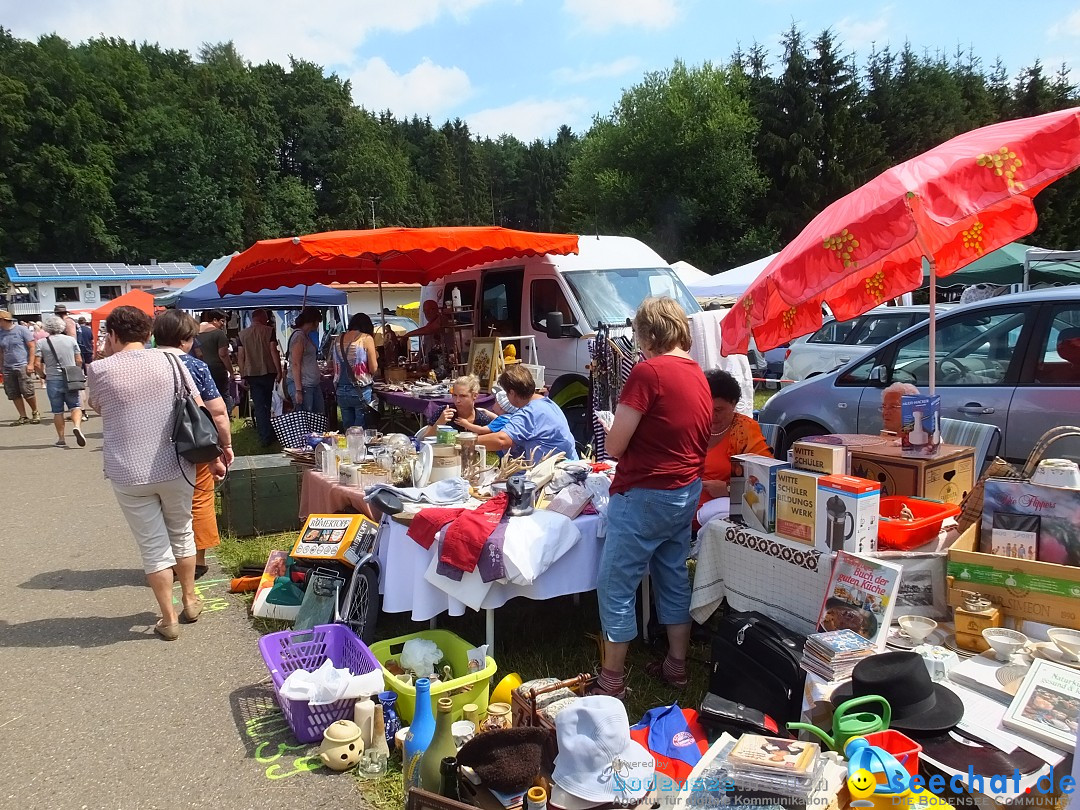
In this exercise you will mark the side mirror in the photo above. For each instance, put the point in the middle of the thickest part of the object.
(555, 325)
(878, 375)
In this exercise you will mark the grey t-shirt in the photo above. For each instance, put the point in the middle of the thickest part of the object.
(13, 343)
(66, 349)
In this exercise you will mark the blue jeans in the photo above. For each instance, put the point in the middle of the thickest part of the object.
(312, 399)
(261, 389)
(353, 404)
(60, 397)
(647, 529)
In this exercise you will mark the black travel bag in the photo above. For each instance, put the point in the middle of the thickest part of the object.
(755, 662)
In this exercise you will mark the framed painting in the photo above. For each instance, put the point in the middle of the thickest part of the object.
(483, 361)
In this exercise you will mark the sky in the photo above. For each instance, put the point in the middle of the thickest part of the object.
(525, 67)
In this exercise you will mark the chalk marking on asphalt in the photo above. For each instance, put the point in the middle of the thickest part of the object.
(12, 720)
(267, 726)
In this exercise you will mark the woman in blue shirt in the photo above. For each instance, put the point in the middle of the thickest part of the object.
(537, 429)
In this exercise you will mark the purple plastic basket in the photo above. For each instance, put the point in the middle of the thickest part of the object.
(307, 649)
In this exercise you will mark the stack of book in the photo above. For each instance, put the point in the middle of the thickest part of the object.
(834, 654)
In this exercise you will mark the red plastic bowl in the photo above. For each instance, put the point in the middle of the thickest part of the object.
(903, 535)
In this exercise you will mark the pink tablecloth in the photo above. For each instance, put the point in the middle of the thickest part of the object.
(318, 496)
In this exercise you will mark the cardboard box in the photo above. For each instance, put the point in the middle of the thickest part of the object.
(945, 477)
(1024, 589)
(1009, 509)
(820, 457)
(920, 431)
(340, 538)
(759, 490)
(797, 505)
(847, 517)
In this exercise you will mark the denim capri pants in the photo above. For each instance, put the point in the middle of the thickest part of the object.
(648, 529)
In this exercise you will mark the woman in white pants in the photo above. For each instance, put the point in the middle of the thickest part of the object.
(132, 388)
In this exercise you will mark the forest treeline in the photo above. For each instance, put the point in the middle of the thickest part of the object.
(115, 151)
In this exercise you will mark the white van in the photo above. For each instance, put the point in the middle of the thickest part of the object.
(561, 300)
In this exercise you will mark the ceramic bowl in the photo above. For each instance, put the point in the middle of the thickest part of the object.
(1068, 641)
(1004, 642)
(463, 731)
(917, 628)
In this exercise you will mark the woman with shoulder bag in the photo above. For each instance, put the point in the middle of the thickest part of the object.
(355, 366)
(302, 386)
(175, 331)
(135, 390)
(58, 357)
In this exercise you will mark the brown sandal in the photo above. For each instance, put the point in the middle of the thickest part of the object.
(190, 615)
(169, 632)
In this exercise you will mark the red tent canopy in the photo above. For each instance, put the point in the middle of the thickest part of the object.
(411, 255)
(136, 298)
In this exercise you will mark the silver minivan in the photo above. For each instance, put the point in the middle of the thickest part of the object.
(1012, 361)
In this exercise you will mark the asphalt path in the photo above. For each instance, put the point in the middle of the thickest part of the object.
(95, 710)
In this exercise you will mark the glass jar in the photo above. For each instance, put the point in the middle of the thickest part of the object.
(356, 443)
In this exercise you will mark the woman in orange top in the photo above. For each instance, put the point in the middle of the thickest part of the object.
(731, 433)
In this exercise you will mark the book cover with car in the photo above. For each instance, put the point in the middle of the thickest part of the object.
(861, 596)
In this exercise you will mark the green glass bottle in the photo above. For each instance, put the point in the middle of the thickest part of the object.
(442, 746)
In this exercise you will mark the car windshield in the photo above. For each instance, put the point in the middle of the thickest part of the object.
(612, 296)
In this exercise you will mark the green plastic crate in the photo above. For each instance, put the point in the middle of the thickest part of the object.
(455, 650)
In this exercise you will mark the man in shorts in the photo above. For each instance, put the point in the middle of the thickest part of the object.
(16, 356)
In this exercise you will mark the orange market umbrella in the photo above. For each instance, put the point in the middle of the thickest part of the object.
(948, 206)
(400, 255)
(135, 298)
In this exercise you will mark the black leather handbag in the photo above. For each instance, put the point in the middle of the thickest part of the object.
(194, 434)
(756, 663)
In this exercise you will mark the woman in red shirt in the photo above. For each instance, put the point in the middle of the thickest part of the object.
(659, 436)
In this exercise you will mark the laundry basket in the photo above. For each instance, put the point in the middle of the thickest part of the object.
(290, 650)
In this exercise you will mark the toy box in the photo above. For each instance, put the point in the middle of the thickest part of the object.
(820, 456)
(797, 505)
(920, 416)
(341, 538)
(759, 490)
(847, 517)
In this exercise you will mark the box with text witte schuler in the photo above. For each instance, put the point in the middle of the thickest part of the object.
(759, 489)
(847, 518)
(820, 455)
(797, 505)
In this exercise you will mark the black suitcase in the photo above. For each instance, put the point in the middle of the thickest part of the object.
(755, 661)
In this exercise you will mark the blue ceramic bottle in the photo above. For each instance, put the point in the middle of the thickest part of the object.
(390, 716)
(420, 733)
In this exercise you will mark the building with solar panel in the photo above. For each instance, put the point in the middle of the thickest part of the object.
(37, 288)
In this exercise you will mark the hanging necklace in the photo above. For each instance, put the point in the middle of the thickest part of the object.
(722, 432)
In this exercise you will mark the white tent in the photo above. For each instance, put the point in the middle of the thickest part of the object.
(690, 275)
(731, 282)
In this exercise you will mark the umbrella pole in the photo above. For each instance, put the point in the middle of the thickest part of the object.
(382, 306)
(933, 325)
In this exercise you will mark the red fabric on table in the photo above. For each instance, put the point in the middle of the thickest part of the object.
(667, 450)
(469, 529)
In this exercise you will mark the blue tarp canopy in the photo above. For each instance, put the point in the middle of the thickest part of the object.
(202, 293)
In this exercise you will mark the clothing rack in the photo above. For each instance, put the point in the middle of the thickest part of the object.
(613, 358)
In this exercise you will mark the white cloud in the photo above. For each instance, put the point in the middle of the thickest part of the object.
(530, 119)
(603, 15)
(855, 33)
(427, 89)
(1069, 27)
(607, 70)
(327, 32)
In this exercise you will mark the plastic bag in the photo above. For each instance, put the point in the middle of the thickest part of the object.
(420, 655)
(277, 402)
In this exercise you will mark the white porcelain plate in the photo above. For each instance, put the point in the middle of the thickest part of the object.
(1049, 651)
(900, 640)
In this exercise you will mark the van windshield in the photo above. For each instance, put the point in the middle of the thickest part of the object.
(612, 296)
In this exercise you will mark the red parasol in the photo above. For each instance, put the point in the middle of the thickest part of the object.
(400, 255)
(949, 206)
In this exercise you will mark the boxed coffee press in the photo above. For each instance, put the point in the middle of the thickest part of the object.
(847, 514)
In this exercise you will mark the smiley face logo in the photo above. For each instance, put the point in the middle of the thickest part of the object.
(861, 785)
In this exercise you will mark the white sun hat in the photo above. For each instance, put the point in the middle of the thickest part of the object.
(597, 761)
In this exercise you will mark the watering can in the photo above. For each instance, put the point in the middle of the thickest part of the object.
(854, 724)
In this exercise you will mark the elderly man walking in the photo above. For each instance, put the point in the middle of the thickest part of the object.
(55, 353)
(70, 327)
(17, 358)
(260, 366)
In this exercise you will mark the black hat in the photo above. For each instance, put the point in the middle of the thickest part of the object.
(506, 759)
(918, 704)
(60, 309)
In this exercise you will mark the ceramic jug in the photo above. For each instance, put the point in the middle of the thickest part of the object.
(391, 721)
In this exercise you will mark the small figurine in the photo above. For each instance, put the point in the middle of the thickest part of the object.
(906, 513)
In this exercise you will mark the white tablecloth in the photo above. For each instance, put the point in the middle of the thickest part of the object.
(406, 590)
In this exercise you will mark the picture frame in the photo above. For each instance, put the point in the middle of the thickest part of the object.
(484, 361)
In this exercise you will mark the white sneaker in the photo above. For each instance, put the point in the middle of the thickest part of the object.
(79, 437)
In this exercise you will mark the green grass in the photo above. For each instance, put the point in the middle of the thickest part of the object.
(760, 398)
(554, 638)
(245, 439)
